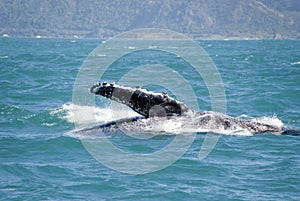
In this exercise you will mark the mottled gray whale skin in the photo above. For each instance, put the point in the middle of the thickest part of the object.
(150, 104)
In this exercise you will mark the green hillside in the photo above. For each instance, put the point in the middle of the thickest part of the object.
(197, 18)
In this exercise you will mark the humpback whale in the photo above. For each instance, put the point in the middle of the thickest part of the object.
(159, 105)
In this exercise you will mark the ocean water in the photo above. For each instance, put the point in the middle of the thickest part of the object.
(40, 158)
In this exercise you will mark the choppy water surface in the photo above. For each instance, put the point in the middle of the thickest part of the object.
(40, 159)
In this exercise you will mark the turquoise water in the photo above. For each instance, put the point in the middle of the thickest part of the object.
(41, 161)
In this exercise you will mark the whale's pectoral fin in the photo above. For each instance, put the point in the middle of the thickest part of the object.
(145, 103)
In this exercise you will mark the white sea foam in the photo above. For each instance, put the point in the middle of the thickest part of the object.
(88, 115)
(274, 121)
(295, 63)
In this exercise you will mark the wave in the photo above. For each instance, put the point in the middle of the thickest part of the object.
(13, 116)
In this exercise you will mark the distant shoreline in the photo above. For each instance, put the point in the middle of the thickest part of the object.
(213, 37)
